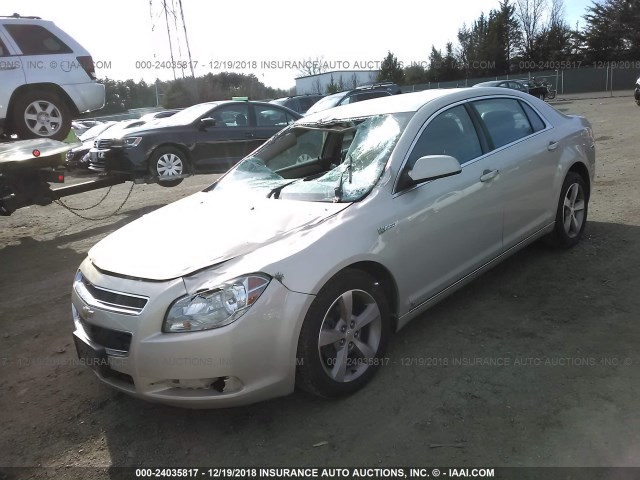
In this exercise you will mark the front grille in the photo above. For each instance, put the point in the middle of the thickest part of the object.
(109, 299)
(103, 144)
(107, 338)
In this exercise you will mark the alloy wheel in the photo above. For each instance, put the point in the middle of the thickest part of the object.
(350, 336)
(43, 118)
(573, 212)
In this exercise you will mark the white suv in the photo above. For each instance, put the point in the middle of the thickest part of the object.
(46, 78)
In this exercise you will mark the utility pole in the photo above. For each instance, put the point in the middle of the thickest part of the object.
(186, 38)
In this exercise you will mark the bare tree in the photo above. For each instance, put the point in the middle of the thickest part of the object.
(312, 66)
(530, 13)
(317, 86)
(354, 80)
(557, 14)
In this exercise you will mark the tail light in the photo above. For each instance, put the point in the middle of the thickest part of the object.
(87, 64)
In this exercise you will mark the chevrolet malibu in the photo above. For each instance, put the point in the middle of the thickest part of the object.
(295, 272)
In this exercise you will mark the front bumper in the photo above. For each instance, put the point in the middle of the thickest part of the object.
(250, 360)
(118, 160)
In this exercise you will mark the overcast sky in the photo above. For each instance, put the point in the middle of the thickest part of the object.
(258, 36)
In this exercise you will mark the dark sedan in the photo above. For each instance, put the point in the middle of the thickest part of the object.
(539, 91)
(205, 138)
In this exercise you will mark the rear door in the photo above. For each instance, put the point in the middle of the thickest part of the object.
(220, 146)
(11, 74)
(525, 150)
(46, 56)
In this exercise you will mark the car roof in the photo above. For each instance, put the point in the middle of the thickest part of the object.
(406, 102)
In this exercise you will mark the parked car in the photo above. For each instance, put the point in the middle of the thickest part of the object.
(298, 103)
(81, 126)
(636, 93)
(78, 157)
(284, 273)
(46, 79)
(541, 90)
(364, 92)
(208, 137)
(149, 117)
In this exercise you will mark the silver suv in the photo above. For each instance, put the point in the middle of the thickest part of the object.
(46, 78)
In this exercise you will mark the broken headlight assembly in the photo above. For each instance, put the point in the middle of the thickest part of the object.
(215, 307)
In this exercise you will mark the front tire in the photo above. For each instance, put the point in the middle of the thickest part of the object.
(168, 162)
(41, 115)
(344, 336)
(571, 216)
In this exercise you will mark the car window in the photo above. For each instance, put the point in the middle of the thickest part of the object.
(505, 120)
(3, 50)
(267, 116)
(36, 40)
(305, 103)
(536, 122)
(236, 115)
(450, 133)
(369, 95)
(518, 86)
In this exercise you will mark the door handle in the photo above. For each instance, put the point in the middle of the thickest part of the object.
(552, 145)
(248, 135)
(489, 175)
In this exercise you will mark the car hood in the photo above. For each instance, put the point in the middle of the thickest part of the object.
(202, 230)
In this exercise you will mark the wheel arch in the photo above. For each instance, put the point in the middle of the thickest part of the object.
(387, 284)
(48, 87)
(582, 170)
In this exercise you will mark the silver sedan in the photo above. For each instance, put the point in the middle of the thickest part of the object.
(294, 270)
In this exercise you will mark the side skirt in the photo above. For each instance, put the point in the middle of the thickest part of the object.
(419, 309)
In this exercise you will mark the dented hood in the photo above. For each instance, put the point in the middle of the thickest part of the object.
(202, 230)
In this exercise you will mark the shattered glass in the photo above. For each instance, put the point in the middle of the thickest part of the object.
(339, 161)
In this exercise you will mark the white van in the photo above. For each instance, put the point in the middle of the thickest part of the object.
(46, 79)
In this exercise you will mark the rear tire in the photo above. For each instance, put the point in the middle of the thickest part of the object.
(571, 215)
(344, 336)
(40, 115)
(167, 162)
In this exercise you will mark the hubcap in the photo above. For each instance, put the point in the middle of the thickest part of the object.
(169, 165)
(43, 118)
(350, 336)
(573, 215)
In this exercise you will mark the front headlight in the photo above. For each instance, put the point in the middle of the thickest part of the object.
(131, 141)
(215, 307)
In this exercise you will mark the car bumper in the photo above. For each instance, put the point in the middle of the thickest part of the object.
(250, 360)
(118, 160)
(86, 96)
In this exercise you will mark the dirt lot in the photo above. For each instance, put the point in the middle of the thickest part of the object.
(536, 364)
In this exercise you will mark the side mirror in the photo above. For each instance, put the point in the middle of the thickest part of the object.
(207, 122)
(431, 167)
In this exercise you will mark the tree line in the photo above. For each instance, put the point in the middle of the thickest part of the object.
(124, 95)
(526, 35)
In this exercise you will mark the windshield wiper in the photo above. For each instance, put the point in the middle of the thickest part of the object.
(275, 192)
(339, 190)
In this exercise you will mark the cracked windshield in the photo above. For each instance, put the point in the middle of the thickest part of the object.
(340, 161)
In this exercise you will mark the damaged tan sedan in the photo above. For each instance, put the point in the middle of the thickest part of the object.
(294, 270)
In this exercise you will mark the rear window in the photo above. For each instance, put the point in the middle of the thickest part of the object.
(505, 120)
(36, 40)
(536, 122)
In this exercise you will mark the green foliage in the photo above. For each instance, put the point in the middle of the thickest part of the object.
(391, 70)
(612, 31)
(183, 92)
